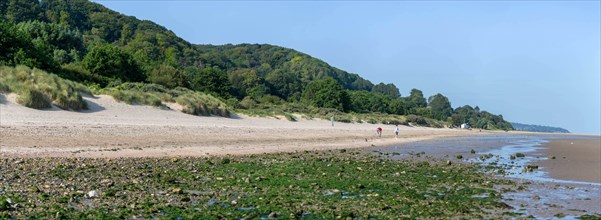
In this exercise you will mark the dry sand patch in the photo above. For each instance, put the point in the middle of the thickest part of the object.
(113, 129)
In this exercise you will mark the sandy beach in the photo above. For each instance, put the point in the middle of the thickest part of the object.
(578, 160)
(110, 129)
(113, 129)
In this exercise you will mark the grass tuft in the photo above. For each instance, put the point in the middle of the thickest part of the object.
(195, 103)
(39, 89)
(32, 98)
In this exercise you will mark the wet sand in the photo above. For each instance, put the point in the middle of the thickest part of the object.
(578, 160)
(542, 197)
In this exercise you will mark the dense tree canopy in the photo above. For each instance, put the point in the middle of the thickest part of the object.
(64, 43)
(168, 76)
(389, 90)
(365, 102)
(110, 61)
(416, 99)
(326, 93)
(84, 41)
(478, 119)
(440, 107)
(18, 48)
(209, 79)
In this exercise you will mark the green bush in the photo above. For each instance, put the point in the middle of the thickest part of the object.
(247, 103)
(434, 123)
(416, 120)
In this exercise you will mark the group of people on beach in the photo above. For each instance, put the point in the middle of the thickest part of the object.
(396, 131)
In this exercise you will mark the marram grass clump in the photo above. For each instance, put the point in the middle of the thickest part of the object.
(38, 89)
(33, 98)
(193, 102)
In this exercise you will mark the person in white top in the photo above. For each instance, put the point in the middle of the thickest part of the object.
(396, 132)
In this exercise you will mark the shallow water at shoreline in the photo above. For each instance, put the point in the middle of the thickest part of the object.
(500, 146)
(544, 197)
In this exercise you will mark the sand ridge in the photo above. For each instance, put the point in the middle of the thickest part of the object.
(113, 129)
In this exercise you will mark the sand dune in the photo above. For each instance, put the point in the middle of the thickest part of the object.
(114, 129)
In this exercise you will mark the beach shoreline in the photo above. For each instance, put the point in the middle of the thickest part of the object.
(123, 132)
(573, 159)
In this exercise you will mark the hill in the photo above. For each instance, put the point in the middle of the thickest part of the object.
(88, 43)
(538, 128)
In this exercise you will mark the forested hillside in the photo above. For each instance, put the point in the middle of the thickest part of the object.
(538, 128)
(107, 51)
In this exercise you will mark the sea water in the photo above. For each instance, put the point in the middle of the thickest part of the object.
(497, 150)
(500, 146)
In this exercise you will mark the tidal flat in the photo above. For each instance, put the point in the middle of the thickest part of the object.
(301, 185)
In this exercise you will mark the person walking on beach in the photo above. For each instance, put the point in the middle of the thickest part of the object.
(396, 132)
(332, 120)
(379, 131)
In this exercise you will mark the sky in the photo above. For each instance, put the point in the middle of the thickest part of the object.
(534, 62)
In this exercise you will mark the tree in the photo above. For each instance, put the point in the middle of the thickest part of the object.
(398, 106)
(110, 61)
(284, 84)
(243, 81)
(209, 79)
(167, 76)
(22, 10)
(440, 107)
(464, 114)
(366, 102)
(326, 93)
(106, 26)
(389, 90)
(19, 49)
(56, 37)
(416, 99)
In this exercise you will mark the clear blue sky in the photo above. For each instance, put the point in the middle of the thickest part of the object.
(535, 62)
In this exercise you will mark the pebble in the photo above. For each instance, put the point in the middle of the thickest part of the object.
(106, 183)
(92, 194)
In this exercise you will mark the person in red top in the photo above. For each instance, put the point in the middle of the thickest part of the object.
(379, 131)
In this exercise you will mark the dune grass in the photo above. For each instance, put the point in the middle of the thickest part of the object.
(38, 89)
(288, 110)
(193, 102)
